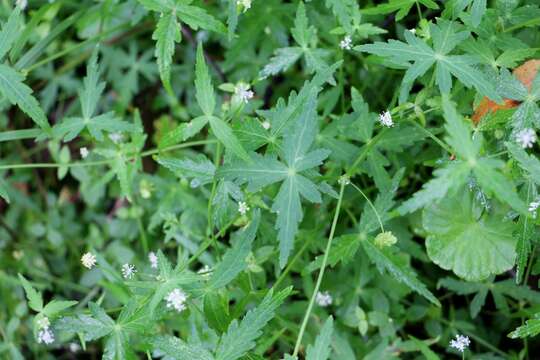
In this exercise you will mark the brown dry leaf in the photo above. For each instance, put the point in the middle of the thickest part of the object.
(524, 73)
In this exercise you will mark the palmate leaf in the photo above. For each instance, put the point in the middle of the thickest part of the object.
(478, 9)
(241, 336)
(17, 93)
(473, 247)
(419, 58)
(266, 170)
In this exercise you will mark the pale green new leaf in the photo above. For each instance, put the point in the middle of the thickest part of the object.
(234, 260)
(176, 349)
(384, 259)
(321, 349)
(241, 336)
(17, 93)
(474, 247)
(35, 300)
(204, 91)
(531, 328)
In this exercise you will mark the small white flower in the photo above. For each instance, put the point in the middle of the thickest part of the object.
(242, 207)
(346, 43)
(21, 3)
(84, 152)
(266, 125)
(344, 180)
(43, 323)
(413, 30)
(526, 138)
(386, 119)
(533, 206)
(460, 343)
(152, 257)
(88, 260)
(74, 347)
(323, 298)
(246, 4)
(243, 92)
(128, 271)
(45, 336)
(176, 299)
(116, 137)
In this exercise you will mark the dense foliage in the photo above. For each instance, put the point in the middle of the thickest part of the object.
(266, 179)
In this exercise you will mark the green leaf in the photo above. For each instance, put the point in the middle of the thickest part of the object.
(321, 349)
(17, 93)
(9, 32)
(424, 349)
(216, 310)
(35, 299)
(531, 328)
(4, 190)
(234, 260)
(226, 136)
(56, 306)
(529, 163)
(92, 88)
(177, 349)
(167, 33)
(384, 259)
(283, 59)
(261, 171)
(402, 6)
(204, 90)
(459, 132)
(200, 169)
(197, 17)
(473, 246)
(241, 336)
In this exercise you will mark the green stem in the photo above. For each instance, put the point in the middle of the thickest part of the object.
(433, 137)
(321, 272)
(106, 161)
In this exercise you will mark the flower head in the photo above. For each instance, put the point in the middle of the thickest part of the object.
(84, 152)
(243, 92)
(323, 298)
(526, 138)
(128, 271)
(266, 125)
(152, 257)
(43, 323)
(116, 137)
(533, 206)
(176, 299)
(242, 207)
(386, 119)
(45, 336)
(346, 43)
(88, 260)
(246, 4)
(460, 343)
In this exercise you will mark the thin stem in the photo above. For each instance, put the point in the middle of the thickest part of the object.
(430, 134)
(371, 205)
(321, 272)
(106, 161)
(291, 263)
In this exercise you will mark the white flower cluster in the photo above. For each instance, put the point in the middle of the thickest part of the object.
(84, 152)
(526, 138)
(246, 4)
(533, 206)
(152, 257)
(88, 260)
(128, 271)
(323, 298)
(243, 208)
(386, 119)
(243, 92)
(45, 334)
(346, 43)
(460, 343)
(176, 299)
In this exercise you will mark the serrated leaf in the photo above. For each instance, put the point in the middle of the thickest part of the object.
(167, 33)
(473, 248)
(321, 349)
(529, 163)
(226, 136)
(204, 91)
(177, 349)
(402, 6)
(384, 259)
(35, 299)
(200, 169)
(17, 93)
(8, 35)
(283, 58)
(531, 328)
(234, 260)
(241, 336)
(56, 306)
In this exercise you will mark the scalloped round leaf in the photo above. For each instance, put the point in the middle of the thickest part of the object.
(472, 247)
